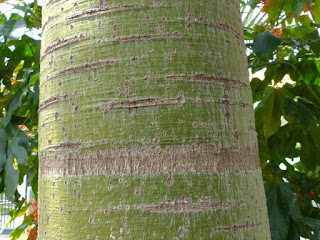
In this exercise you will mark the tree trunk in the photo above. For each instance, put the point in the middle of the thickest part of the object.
(146, 123)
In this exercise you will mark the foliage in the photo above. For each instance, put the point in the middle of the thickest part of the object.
(19, 97)
(29, 227)
(283, 39)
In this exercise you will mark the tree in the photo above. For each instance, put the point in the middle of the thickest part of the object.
(292, 191)
(146, 127)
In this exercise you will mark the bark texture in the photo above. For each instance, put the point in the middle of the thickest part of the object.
(146, 127)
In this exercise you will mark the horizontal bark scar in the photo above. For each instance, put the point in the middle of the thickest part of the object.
(141, 103)
(224, 102)
(88, 66)
(178, 207)
(95, 12)
(150, 37)
(66, 160)
(50, 101)
(52, 1)
(209, 79)
(221, 26)
(63, 42)
(235, 228)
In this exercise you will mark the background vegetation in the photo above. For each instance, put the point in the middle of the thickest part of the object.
(283, 40)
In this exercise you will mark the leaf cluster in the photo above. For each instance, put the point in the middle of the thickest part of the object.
(284, 42)
(19, 99)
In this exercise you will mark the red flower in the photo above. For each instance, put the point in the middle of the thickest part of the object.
(32, 235)
(277, 31)
(312, 193)
(35, 204)
(35, 215)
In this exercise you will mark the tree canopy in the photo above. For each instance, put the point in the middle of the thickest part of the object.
(283, 40)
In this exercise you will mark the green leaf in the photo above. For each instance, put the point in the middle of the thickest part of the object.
(316, 10)
(253, 3)
(34, 94)
(12, 29)
(3, 148)
(14, 104)
(33, 174)
(269, 111)
(257, 87)
(34, 79)
(279, 220)
(297, 6)
(17, 212)
(314, 41)
(11, 130)
(265, 43)
(312, 222)
(18, 148)
(3, 18)
(297, 111)
(310, 148)
(16, 233)
(6, 28)
(289, 200)
(16, 101)
(11, 179)
(282, 144)
(23, 8)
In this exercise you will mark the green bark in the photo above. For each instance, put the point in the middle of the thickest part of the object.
(146, 128)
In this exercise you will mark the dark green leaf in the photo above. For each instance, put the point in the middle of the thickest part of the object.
(3, 148)
(296, 111)
(257, 87)
(34, 94)
(289, 200)
(253, 3)
(19, 147)
(269, 111)
(265, 43)
(14, 103)
(279, 220)
(11, 179)
(297, 6)
(310, 148)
